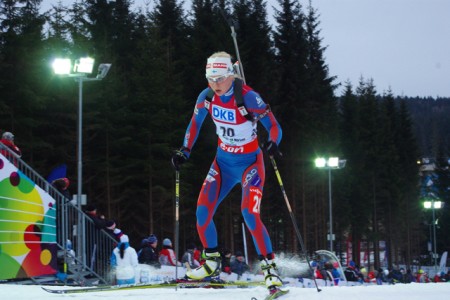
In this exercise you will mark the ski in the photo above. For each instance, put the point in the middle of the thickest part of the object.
(276, 294)
(218, 283)
(108, 288)
(178, 283)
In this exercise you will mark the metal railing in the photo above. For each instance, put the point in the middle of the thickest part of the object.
(92, 265)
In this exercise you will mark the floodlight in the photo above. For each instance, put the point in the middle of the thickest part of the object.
(103, 70)
(333, 162)
(432, 204)
(61, 66)
(320, 162)
(84, 65)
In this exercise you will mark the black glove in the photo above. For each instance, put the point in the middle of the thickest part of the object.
(178, 158)
(272, 149)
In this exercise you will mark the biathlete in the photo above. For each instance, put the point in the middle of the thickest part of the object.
(239, 160)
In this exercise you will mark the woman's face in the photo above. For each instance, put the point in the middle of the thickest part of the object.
(220, 85)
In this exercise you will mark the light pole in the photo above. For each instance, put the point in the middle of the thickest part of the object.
(433, 204)
(79, 72)
(330, 164)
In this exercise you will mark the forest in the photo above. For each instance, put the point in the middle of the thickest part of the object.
(136, 117)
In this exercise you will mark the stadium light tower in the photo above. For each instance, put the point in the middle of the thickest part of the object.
(79, 71)
(433, 205)
(331, 163)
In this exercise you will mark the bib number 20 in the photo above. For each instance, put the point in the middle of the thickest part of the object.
(227, 132)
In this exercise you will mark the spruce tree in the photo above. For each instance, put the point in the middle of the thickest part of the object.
(388, 177)
(407, 150)
(349, 190)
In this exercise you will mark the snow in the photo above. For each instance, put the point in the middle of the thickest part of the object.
(413, 291)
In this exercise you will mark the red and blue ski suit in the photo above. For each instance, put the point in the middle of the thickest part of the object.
(239, 159)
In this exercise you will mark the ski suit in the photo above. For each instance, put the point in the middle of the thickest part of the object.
(238, 160)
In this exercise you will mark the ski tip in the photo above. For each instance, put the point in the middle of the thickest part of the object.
(52, 291)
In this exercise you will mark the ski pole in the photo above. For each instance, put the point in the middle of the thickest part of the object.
(177, 220)
(294, 222)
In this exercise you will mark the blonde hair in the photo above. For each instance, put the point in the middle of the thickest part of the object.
(220, 54)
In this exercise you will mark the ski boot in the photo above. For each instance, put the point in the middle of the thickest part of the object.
(271, 277)
(210, 268)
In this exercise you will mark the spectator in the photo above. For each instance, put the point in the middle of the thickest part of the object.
(70, 253)
(408, 277)
(226, 261)
(363, 272)
(404, 276)
(336, 273)
(198, 256)
(316, 270)
(8, 141)
(371, 277)
(422, 277)
(94, 244)
(124, 261)
(239, 266)
(352, 273)
(395, 275)
(167, 256)
(149, 253)
(62, 185)
(112, 230)
(327, 272)
(188, 257)
(99, 220)
(383, 277)
(439, 277)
